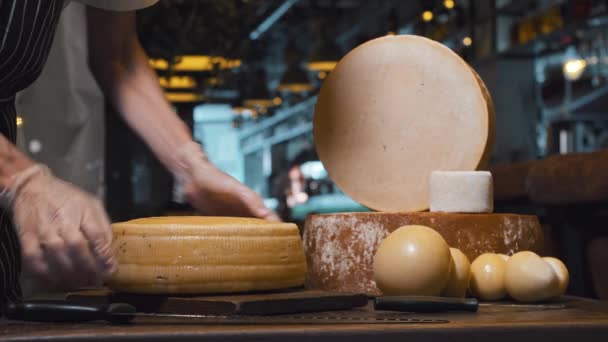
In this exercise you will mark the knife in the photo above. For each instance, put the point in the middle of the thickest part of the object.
(422, 304)
(122, 313)
(425, 304)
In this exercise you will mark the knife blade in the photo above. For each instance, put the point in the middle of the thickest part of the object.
(427, 304)
(121, 313)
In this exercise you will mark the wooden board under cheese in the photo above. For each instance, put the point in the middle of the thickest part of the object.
(392, 111)
(340, 247)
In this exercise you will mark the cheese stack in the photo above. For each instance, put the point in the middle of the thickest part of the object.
(190, 255)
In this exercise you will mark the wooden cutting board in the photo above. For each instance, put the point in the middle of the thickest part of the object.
(286, 302)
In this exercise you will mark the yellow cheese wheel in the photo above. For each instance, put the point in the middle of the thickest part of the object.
(460, 275)
(189, 255)
(488, 277)
(392, 111)
(413, 260)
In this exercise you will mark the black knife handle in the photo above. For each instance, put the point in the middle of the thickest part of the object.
(425, 304)
(61, 311)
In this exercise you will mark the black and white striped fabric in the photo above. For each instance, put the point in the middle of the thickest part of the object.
(27, 28)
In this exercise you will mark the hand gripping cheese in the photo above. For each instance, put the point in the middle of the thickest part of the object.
(461, 191)
(190, 255)
(392, 111)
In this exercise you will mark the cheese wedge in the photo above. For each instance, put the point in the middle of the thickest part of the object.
(189, 255)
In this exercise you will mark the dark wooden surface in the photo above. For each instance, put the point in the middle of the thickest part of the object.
(582, 320)
(286, 302)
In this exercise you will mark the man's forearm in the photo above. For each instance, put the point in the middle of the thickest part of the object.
(134, 90)
(121, 68)
(12, 161)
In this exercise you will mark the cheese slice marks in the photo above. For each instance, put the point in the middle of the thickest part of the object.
(395, 109)
(190, 255)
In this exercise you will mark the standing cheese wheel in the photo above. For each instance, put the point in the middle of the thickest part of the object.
(529, 278)
(459, 275)
(189, 255)
(413, 260)
(488, 277)
(392, 111)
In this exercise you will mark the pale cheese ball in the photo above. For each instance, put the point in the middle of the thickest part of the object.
(459, 275)
(488, 277)
(563, 276)
(413, 260)
(529, 278)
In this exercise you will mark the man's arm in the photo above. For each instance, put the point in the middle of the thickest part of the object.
(120, 65)
(12, 161)
(122, 70)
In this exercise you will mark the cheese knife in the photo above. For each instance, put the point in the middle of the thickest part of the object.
(428, 304)
(122, 313)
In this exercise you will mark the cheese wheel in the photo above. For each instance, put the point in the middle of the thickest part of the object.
(392, 111)
(189, 255)
(462, 191)
(460, 275)
(563, 276)
(529, 278)
(340, 247)
(413, 260)
(488, 277)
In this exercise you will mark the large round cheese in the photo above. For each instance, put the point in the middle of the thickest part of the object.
(188, 255)
(392, 111)
(340, 248)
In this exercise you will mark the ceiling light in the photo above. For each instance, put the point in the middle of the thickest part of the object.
(195, 63)
(574, 68)
(467, 41)
(427, 16)
(177, 82)
(180, 97)
(449, 4)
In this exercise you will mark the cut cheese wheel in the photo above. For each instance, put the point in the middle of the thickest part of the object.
(392, 111)
(340, 248)
(187, 255)
(462, 191)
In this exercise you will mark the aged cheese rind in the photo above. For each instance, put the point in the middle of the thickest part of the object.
(393, 110)
(340, 247)
(189, 255)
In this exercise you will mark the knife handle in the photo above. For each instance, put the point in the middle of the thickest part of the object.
(61, 311)
(425, 304)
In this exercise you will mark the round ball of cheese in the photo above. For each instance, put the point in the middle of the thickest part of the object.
(487, 277)
(563, 276)
(459, 276)
(413, 260)
(529, 278)
(504, 257)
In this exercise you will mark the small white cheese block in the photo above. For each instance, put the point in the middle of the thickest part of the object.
(461, 191)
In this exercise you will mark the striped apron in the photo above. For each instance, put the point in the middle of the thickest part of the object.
(27, 28)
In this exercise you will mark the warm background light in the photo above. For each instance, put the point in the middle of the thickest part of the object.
(467, 41)
(574, 68)
(196, 63)
(449, 4)
(176, 97)
(427, 16)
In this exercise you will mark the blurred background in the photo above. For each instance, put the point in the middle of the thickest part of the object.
(244, 74)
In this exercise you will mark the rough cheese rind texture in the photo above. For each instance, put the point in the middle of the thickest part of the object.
(393, 110)
(461, 191)
(340, 248)
(189, 255)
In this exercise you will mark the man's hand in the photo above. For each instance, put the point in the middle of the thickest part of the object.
(213, 192)
(65, 234)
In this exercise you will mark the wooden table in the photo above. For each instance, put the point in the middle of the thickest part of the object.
(581, 320)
